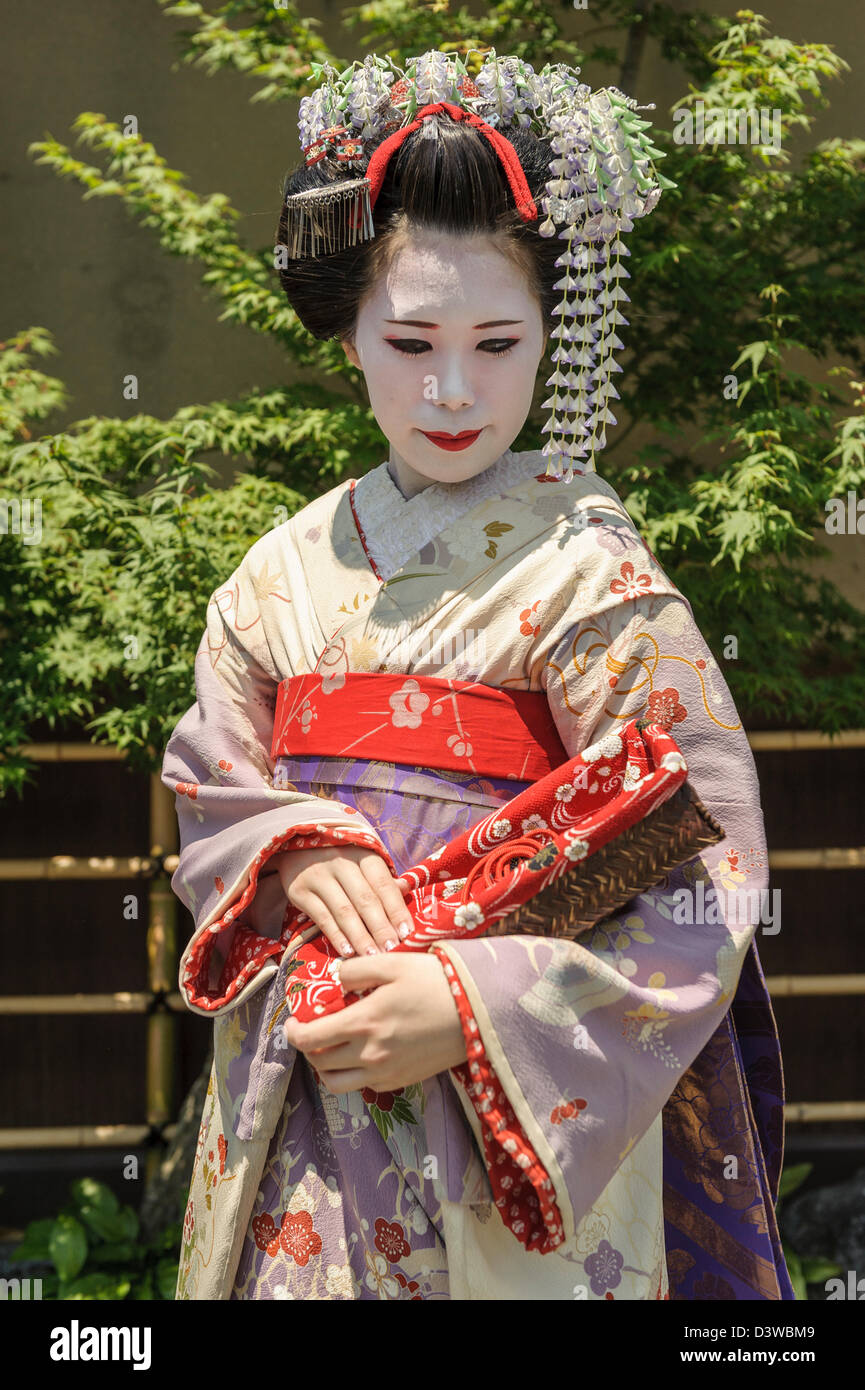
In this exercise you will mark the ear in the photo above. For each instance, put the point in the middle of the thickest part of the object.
(351, 352)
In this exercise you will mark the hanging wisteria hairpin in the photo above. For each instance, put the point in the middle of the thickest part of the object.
(602, 178)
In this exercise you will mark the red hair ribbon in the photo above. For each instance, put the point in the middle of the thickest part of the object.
(504, 149)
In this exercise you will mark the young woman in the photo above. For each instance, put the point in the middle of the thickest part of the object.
(509, 1117)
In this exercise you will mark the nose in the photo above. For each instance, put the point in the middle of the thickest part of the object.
(454, 388)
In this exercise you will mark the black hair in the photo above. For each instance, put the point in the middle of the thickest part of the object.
(455, 183)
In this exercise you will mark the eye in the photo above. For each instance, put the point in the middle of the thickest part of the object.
(502, 352)
(413, 347)
(401, 346)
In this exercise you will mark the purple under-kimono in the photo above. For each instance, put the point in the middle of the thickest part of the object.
(641, 1062)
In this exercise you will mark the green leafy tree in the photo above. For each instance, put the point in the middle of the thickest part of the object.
(753, 264)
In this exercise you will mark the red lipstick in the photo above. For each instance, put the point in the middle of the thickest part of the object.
(452, 441)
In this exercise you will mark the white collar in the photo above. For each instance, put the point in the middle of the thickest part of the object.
(397, 527)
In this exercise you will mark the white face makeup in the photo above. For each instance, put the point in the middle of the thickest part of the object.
(468, 361)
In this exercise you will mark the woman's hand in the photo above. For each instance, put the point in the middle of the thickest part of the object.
(350, 894)
(407, 1029)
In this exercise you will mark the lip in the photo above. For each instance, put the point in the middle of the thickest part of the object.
(453, 441)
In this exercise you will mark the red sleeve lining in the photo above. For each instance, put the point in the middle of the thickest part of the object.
(249, 951)
(522, 1188)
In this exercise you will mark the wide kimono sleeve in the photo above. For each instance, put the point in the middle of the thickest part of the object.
(232, 819)
(573, 1048)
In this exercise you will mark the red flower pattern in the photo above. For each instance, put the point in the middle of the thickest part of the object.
(566, 1111)
(664, 707)
(265, 1233)
(390, 1240)
(298, 1238)
(383, 1099)
(631, 585)
(527, 628)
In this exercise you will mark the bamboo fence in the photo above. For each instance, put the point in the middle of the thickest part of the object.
(161, 1002)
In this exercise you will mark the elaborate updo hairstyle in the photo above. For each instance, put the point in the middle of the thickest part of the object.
(455, 183)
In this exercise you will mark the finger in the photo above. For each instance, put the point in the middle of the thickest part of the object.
(340, 890)
(366, 903)
(388, 889)
(368, 972)
(339, 1083)
(321, 1034)
(331, 911)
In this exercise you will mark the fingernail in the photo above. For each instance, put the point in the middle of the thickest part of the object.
(403, 930)
(372, 950)
(346, 950)
(391, 945)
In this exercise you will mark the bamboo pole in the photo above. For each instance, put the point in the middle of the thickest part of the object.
(72, 752)
(820, 985)
(853, 858)
(118, 1003)
(794, 740)
(821, 1111)
(78, 1137)
(68, 866)
(161, 967)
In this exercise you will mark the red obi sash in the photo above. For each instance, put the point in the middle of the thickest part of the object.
(426, 721)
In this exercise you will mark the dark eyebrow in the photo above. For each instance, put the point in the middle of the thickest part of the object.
(420, 323)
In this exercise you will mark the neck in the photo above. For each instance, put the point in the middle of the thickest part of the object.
(410, 482)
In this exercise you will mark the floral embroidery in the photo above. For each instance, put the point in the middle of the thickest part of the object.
(408, 704)
(298, 1238)
(460, 747)
(664, 708)
(631, 586)
(609, 747)
(379, 1279)
(632, 778)
(604, 1268)
(643, 1030)
(265, 1233)
(468, 915)
(495, 528)
(411, 1285)
(390, 1240)
(566, 1111)
(389, 1108)
(526, 627)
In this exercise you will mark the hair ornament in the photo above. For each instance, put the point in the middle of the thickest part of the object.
(602, 178)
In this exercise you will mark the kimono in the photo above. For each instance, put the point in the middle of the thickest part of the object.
(630, 1080)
